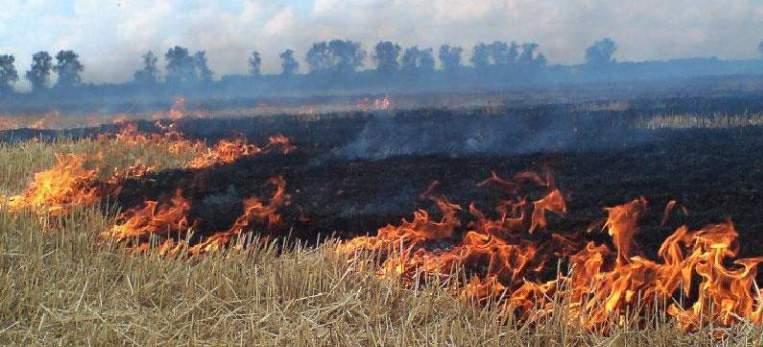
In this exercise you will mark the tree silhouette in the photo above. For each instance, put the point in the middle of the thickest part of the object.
(180, 66)
(8, 74)
(68, 68)
(513, 54)
(498, 51)
(528, 53)
(39, 73)
(319, 57)
(601, 52)
(335, 56)
(540, 60)
(417, 60)
(348, 54)
(410, 61)
(386, 54)
(255, 64)
(480, 56)
(201, 67)
(289, 65)
(149, 75)
(450, 57)
(426, 60)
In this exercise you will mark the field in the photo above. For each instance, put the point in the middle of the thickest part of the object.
(80, 270)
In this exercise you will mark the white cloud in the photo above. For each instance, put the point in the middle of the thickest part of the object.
(111, 36)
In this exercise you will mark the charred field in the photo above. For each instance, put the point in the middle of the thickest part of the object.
(218, 222)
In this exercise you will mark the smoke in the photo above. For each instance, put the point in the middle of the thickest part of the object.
(445, 133)
(111, 36)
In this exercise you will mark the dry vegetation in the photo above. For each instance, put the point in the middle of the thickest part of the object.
(62, 285)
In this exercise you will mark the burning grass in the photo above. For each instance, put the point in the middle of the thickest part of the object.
(436, 279)
(698, 278)
(66, 287)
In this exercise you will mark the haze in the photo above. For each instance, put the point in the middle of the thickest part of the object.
(110, 36)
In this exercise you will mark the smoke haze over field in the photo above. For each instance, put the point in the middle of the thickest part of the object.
(110, 36)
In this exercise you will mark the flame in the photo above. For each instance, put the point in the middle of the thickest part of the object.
(281, 142)
(228, 151)
(499, 257)
(255, 213)
(553, 202)
(622, 224)
(171, 222)
(154, 218)
(411, 233)
(177, 111)
(68, 183)
(47, 121)
(502, 263)
(57, 190)
(169, 138)
(225, 152)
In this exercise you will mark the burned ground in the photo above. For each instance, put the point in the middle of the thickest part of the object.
(715, 173)
(355, 172)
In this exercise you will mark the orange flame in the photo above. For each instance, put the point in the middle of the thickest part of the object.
(169, 221)
(602, 285)
(255, 212)
(154, 219)
(228, 151)
(57, 190)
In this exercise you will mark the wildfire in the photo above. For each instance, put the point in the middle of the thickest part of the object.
(69, 183)
(56, 190)
(171, 222)
(499, 256)
(177, 110)
(256, 213)
(168, 137)
(154, 219)
(500, 260)
(228, 151)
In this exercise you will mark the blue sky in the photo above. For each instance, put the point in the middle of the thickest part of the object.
(110, 35)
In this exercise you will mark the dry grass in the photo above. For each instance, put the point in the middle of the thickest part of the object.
(61, 285)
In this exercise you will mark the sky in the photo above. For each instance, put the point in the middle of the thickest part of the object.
(110, 35)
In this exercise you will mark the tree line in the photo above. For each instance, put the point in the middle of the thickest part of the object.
(67, 67)
(333, 59)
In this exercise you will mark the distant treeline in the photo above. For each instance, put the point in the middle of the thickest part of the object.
(338, 66)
